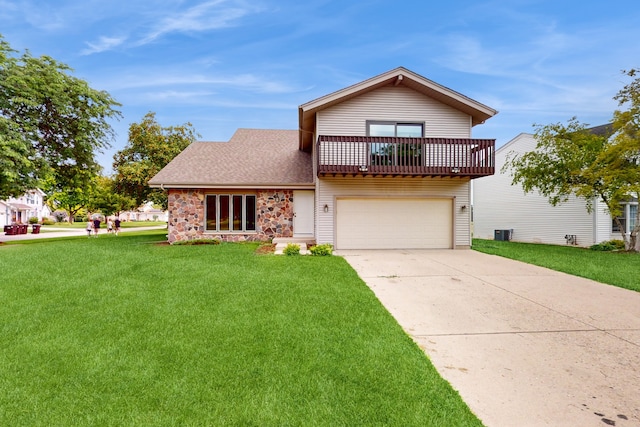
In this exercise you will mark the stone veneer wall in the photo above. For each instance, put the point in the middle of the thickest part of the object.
(274, 216)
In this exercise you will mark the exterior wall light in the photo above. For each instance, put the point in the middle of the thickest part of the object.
(326, 208)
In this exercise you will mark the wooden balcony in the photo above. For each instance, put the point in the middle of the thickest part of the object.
(393, 156)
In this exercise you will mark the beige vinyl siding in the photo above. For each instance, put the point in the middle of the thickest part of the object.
(329, 189)
(393, 103)
(499, 205)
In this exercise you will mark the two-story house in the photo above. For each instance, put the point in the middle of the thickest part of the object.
(504, 211)
(18, 210)
(385, 163)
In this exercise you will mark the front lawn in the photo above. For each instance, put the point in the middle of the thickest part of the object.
(614, 268)
(126, 332)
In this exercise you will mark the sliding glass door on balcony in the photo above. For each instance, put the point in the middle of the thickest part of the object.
(395, 154)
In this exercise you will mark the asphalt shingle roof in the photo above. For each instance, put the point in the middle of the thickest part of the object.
(252, 157)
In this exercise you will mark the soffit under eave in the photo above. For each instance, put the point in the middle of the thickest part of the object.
(307, 111)
(478, 111)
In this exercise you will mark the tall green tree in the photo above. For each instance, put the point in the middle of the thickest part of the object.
(72, 201)
(105, 199)
(18, 163)
(570, 160)
(624, 152)
(150, 148)
(52, 124)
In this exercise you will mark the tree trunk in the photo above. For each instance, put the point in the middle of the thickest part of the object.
(623, 232)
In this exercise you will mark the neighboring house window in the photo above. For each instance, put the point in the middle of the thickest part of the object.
(395, 154)
(617, 223)
(629, 212)
(230, 212)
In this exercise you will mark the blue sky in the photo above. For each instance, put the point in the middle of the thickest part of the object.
(226, 64)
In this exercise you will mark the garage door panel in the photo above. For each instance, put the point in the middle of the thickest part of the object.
(394, 223)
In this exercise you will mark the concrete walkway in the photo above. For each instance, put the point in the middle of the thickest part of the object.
(523, 345)
(52, 231)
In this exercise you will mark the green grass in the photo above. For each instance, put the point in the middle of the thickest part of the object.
(614, 268)
(124, 332)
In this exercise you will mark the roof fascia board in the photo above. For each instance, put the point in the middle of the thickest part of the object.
(513, 141)
(235, 186)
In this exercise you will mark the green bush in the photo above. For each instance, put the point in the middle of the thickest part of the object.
(292, 249)
(33, 220)
(47, 221)
(197, 242)
(611, 245)
(324, 249)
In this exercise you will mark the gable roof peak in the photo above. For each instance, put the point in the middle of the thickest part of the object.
(399, 76)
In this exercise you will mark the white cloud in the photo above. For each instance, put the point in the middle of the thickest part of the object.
(207, 99)
(103, 44)
(148, 26)
(147, 78)
(206, 16)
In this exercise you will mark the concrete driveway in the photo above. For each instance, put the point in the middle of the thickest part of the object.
(523, 345)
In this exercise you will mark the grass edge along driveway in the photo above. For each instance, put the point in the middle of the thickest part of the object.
(613, 268)
(125, 332)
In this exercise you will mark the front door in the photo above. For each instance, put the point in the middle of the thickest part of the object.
(303, 207)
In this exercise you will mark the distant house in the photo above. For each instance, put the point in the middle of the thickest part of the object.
(145, 212)
(500, 206)
(385, 163)
(20, 209)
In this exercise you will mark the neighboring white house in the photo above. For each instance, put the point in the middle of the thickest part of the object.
(20, 209)
(145, 212)
(498, 205)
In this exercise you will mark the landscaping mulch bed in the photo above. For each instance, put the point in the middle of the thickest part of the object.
(266, 249)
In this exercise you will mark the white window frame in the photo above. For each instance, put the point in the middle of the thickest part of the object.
(232, 200)
(378, 148)
(627, 218)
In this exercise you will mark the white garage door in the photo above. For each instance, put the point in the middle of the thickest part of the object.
(394, 223)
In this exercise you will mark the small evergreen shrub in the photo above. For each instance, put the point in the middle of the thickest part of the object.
(194, 242)
(33, 220)
(610, 245)
(325, 249)
(292, 249)
(47, 221)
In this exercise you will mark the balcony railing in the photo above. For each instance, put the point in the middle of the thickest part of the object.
(393, 156)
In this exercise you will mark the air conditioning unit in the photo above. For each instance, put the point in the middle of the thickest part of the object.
(503, 235)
